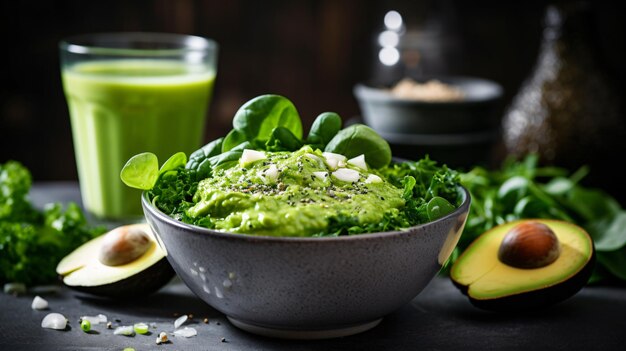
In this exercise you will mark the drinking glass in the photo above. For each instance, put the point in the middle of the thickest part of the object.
(129, 93)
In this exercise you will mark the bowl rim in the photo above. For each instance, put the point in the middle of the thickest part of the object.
(197, 230)
(368, 93)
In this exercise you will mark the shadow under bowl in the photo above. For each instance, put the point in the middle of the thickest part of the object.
(476, 112)
(307, 288)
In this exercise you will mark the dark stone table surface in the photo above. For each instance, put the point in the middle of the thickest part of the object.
(440, 318)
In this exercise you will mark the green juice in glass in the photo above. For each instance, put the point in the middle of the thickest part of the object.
(120, 108)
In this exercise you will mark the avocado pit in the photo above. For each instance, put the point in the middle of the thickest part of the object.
(525, 265)
(123, 245)
(126, 262)
(529, 245)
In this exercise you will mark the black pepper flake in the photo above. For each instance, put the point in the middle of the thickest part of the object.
(382, 198)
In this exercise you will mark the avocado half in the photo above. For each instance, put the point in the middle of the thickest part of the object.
(83, 271)
(493, 285)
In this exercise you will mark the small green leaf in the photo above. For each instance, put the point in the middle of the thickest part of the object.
(282, 139)
(438, 207)
(232, 139)
(609, 234)
(141, 171)
(359, 139)
(512, 190)
(409, 183)
(324, 128)
(256, 119)
(209, 150)
(178, 159)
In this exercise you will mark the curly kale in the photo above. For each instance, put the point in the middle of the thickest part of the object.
(32, 242)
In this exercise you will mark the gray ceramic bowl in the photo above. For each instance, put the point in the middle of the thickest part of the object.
(477, 112)
(307, 287)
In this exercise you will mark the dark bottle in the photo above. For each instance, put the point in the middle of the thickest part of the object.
(566, 111)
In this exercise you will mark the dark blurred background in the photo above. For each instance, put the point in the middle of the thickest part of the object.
(312, 52)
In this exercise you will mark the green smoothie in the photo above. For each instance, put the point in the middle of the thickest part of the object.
(124, 107)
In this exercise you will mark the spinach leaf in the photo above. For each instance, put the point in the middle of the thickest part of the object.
(209, 150)
(232, 139)
(141, 171)
(226, 160)
(360, 139)
(256, 119)
(175, 161)
(614, 262)
(609, 233)
(324, 128)
(282, 139)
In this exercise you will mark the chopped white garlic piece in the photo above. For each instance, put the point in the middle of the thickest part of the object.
(358, 161)
(39, 303)
(249, 156)
(347, 175)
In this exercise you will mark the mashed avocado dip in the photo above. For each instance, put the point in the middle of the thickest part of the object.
(266, 178)
(293, 193)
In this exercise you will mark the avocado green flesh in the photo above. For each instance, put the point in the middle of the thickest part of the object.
(297, 202)
(485, 277)
(82, 268)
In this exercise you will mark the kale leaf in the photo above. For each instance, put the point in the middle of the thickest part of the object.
(32, 242)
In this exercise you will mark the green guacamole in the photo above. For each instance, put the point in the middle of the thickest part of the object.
(292, 194)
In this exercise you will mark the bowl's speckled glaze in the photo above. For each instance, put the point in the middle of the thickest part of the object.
(307, 287)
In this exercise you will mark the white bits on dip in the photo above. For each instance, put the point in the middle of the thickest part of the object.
(269, 175)
(359, 162)
(54, 321)
(250, 156)
(334, 161)
(321, 175)
(347, 175)
(314, 157)
(39, 303)
(373, 178)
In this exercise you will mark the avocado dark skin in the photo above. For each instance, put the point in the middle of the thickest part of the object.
(538, 299)
(138, 285)
(491, 284)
